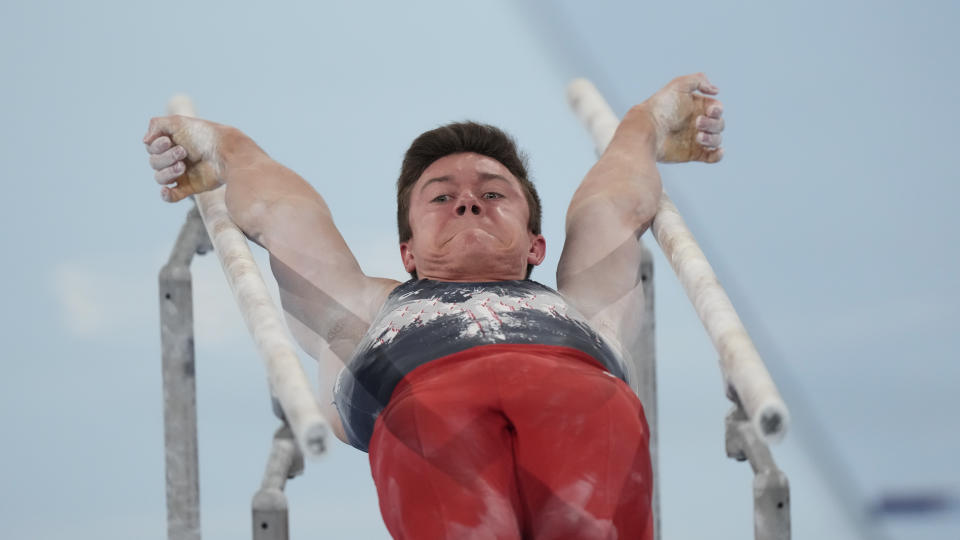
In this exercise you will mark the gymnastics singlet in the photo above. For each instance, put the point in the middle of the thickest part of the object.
(492, 410)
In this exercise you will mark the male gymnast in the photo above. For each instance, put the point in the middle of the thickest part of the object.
(491, 406)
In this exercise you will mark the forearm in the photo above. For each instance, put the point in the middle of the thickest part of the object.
(256, 184)
(626, 175)
(271, 203)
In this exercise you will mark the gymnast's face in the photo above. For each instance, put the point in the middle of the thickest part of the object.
(469, 216)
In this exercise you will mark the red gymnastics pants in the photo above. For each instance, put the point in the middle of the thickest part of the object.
(510, 442)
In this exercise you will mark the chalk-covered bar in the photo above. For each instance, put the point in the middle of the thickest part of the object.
(288, 381)
(747, 379)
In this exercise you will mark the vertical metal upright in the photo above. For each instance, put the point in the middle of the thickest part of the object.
(269, 504)
(771, 488)
(646, 363)
(179, 382)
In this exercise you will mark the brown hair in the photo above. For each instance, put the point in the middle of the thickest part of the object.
(455, 138)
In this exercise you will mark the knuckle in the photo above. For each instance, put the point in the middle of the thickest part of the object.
(159, 145)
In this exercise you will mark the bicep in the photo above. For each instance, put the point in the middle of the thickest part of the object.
(600, 263)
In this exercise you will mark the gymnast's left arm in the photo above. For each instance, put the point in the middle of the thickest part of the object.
(599, 269)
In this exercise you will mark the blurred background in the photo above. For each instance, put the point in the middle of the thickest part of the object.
(829, 222)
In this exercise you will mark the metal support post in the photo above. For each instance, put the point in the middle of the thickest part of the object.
(646, 364)
(771, 490)
(179, 384)
(269, 505)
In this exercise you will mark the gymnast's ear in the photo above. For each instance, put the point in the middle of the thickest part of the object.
(538, 249)
(406, 255)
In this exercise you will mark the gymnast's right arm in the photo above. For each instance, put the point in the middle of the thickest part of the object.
(328, 300)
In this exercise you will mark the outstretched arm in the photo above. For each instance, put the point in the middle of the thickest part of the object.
(329, 302)
(599, 269)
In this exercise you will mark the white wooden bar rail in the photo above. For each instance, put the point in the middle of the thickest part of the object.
(746, 377)
(288, 381)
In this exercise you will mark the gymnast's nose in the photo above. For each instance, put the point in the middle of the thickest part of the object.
(468, 202)
(474, 209)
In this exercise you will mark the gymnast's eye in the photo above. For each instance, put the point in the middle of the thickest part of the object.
(440, 198)
(492, 195)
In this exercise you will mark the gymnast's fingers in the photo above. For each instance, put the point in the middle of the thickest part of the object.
(167, 158)
(171, 173)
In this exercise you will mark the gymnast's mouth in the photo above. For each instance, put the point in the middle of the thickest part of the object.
(472, 234)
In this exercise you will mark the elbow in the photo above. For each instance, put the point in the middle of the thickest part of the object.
(643, 210)
(648, 210)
